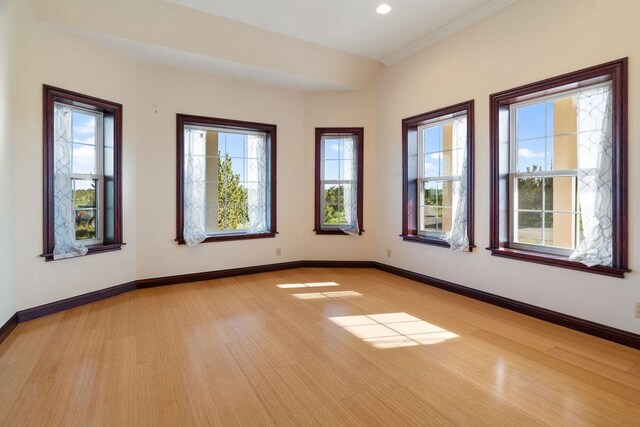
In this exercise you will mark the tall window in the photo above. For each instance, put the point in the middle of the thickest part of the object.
(226, 180)
(559, 173)
(82, 151)
(339, 171)
(438, 177)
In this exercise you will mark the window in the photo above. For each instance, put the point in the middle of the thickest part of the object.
(82, 174)
(226, 180)
(558, 171)
(339, 171)
(438, 177)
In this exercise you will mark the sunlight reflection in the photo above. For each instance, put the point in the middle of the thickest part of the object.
(392, 330)
(321, 295)
(306, 285)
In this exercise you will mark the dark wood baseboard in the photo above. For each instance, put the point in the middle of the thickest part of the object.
(596, 329)
(338, 264)
(612, 334)
(67, 303)
(216, 274)
(9, 326)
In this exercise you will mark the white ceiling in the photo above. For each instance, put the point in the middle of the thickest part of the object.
(353, 25)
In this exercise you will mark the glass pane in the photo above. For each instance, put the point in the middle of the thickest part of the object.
(550, 115)
(211, 219)
(233, 216)
(84, 193)
(239, 169)
(84, 159)
(432, 193)
(529, 228)
(529, 193)
(531, 155)
(236, 144)
(86, 222)
(560, 194)
(211, 195)
(432, 139)
(432, 164)
(332, 170)
(212, 166)
(333, 148)
(447, 193)
(531, 121)
(560, 229)
(212, 143)
(84, 128)
(334, 214)
(432, 219)
(564, 150)
(447, 218)
(333, 194)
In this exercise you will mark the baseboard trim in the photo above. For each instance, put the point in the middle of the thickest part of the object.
(216, 274)
(598, 330)
(10, 325)
(65, 304)
(591, 328)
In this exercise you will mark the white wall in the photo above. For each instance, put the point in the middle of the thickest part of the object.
(339, 109)
(8, 64)
(526, 42)
(171, 91)
(47, 55)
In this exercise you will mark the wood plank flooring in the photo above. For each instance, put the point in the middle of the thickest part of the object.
(326, 347)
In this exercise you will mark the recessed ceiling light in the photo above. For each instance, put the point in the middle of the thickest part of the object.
(383, 9)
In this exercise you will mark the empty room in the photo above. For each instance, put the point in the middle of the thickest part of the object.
(335, 212)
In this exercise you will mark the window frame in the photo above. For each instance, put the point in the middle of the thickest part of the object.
(500, 164)
(270, 130)
(358, 132)
(411, 179)
(112, 110)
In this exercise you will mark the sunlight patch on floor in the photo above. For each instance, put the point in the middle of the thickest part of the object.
(323, 295)
(392, 330)
(306, 285)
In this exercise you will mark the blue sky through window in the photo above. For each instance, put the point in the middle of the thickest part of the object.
(535, 136)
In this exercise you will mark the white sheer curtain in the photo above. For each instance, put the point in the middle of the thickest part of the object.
(458, 238)
(595, 177)
(195, 164)
(350, 174)
(65, 245)
(258, 181)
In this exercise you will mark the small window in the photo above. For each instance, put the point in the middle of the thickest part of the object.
(559, 174)
(82, 140)
(226, 180)
(438, 177)
(339, 171)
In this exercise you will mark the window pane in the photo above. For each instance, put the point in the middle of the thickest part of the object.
(333, 148)
(84, 159)
(531, 121)
(564, 150)
(447, 193)
(432, 219)
(333, 170)
(529, 228)
(334, 204)
(84, 128)
(235, 144)
(560, 229)
(529, 193)
(432, 193)
(560, 194)
(432, 164)
(530, 157)
(86, 224)
(447, 217)
(233, 216)
(84, 193)
(432, 139)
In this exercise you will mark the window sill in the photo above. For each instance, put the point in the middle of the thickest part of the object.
(231, 237)
(335, 232)
(557, 261)
(429, 241)
(93, 249)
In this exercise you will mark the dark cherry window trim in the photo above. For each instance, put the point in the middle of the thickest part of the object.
(52, 95)
(614, 71)
(359, 133)
(409, 201)
(270, 130)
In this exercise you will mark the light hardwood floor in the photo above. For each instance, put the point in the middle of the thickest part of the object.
(374, 350)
